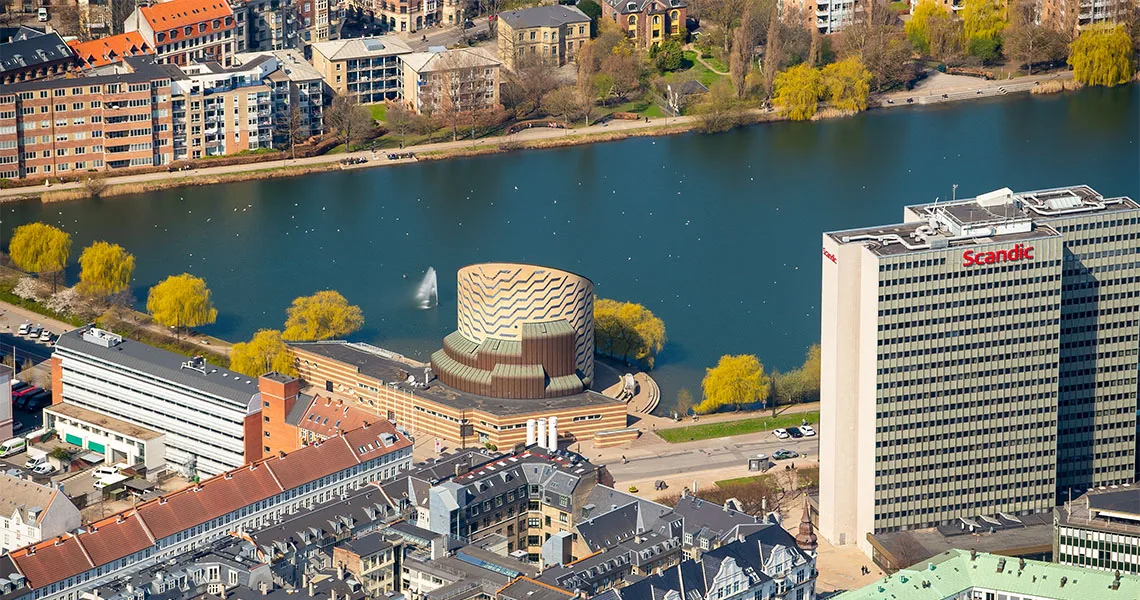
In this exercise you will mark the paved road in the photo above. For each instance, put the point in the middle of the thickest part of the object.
(695, 457)
(446, 36)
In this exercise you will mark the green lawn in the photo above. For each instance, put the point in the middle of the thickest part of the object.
(379, 111)
(697, 70)
(739, 427)
(899, 6)
(643, 106)
(717, 64)
(739, 481)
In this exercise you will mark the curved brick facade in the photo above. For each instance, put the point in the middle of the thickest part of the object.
(496, 299)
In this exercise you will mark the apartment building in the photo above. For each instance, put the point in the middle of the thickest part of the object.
(406, 15)
(31, 512)
(376, 560)
(314, 20)
(1099, 530)
(462, 80)
(32, 55)
(979, 360)
(647, 22)
(1068, 16)
(253, 497)
(264, 25)
(115, 117)
(223, 110)
(109, 50)
(295, 85)
(550, 34)
(828, 16)
(766, 564)
(183, 32)
(368, 70)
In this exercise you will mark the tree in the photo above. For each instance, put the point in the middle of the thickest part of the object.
(325, 314)
(798, 90)
(773, 54)
(120, 10)
(1101, 55)
(591, 8)
(628, 331)
(983, 20)
(40, 248)
(735, 381)
(719, 110)
(786, 388)
(289, 126)
(181, 301)
(535, 78)
(348, 119)
(988, 50)
(684, 401)
(945, 36)
(95, 185)
(263, 353)
(877, 40)
(1026, 42)
(620, 72)
(563, 103)
(402, 120)
(668, 56)
(105, 269)
(67, 22)
(918, 27)
(848, 84)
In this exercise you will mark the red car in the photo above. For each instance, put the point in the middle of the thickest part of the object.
(28, 390)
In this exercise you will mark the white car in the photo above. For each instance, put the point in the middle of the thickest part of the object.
(105, 472)
(43, 469)
(23, 330)
(781, 433)
(807, 430)
(45, 336)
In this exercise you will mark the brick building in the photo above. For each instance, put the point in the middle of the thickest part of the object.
(113, 118)
(647, 22)
(466, 79)
(187, 31)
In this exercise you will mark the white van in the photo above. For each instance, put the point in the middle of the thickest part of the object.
(42, 15)
(35, 459)
(13, 446)
(105, 472)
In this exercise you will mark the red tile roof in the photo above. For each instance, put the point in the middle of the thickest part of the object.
(52, 560)
(105, 51)
(177, 13)
(134, 529)
(110, 539)
(327, 417)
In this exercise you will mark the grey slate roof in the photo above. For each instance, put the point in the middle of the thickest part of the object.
(367, 545)
(619, 516)
(1124, 501)
(226, 385)
(32, 51)
(139, 69)
(555, 15)
(709, 518)
(639, 6)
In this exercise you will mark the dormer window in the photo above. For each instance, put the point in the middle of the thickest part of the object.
(160, 36)
(188, 30)
(632, 6)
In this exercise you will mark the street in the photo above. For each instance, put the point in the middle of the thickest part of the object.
(709, 455)
(442, 36)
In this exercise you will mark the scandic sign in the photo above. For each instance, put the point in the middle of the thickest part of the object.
(1018, 252)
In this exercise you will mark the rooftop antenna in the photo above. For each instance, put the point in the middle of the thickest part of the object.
(954, 193)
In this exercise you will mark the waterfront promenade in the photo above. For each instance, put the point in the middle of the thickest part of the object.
(936, 88)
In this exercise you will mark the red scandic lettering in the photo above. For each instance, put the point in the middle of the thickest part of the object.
(830, 256)
(1018, 252)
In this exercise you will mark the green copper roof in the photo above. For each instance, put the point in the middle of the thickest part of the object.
(953, 572)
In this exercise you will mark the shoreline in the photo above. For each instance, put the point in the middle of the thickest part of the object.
(531, 139)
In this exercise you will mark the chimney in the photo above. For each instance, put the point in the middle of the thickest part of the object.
(332, 594)
(264, 588)
(340, 572)
(310, 586)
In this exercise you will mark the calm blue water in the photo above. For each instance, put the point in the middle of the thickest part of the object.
(717, 234)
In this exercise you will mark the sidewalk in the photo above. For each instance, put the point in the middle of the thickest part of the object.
(377, 159)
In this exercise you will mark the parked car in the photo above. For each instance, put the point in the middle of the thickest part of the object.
(783, 454)
(39, 399)
(18, 385)
(46, 336)
(44, 469)
(24, 328)
(105, 472)
(35, 461)
(42, 15)
(17, 426)
(781, 433)
(31, 389)
(35, 331)
(795, 432)
(807, 430)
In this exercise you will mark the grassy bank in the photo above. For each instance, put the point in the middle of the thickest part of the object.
(708, 431)
(124, 189)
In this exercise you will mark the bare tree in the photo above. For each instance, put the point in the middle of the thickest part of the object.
(724, 14)
(773, 54)
(348, 119)
(879, 42)
(68, 22)
(1028, 43)
(402, 120)
(289, 125)
(120, 10)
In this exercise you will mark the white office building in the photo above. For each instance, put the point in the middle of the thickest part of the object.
(200, 408)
